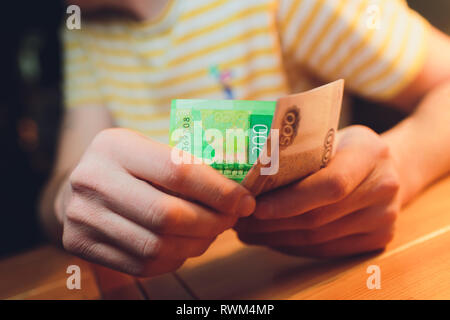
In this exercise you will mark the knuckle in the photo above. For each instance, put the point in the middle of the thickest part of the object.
(75, 209)
(338, 186)
(226, 194)
(80, 210)
(84, 178)
(75, 244)
(178, 175)
(380, 148)
(390, 185)
(391, 215)
(105, 137)
(151, 247)
(68, 242)
(149, 210)
(167, 215)
(159, 220)
(384, 151)
(228, 197)
(77, 178)
(109, 140)
(365, 133)
(362, 129)
(368, 132)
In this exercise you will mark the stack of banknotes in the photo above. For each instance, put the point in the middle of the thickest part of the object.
(261, 144)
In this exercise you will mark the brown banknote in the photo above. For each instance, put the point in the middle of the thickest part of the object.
(307, 123)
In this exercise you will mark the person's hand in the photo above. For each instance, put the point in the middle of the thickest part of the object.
(118, 206)
(347, 208)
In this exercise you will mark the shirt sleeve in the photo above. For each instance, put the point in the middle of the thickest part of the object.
(81, 86)
(377, 46)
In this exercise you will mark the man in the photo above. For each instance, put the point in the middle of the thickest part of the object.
(111, 198)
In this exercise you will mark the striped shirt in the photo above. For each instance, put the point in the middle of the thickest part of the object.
(252, 49)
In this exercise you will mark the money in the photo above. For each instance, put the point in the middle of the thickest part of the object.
(226, 134)
(261, 144)
(307, 123)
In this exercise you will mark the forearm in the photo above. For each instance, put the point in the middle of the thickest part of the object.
(420, 145)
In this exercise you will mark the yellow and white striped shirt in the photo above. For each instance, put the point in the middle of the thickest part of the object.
(252, 49)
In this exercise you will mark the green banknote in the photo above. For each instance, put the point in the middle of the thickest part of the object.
(229, 135)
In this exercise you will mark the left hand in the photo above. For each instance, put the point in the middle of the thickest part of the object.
(347, 208)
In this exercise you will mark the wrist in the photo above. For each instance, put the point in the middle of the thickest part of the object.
(404, 152)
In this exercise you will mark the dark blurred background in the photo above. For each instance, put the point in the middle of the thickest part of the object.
(30, 109)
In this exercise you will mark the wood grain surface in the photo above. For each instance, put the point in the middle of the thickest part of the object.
(416, 265)
(41, 274)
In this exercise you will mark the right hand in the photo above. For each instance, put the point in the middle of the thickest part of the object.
(114, 212)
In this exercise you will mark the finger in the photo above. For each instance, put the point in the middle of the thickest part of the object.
(345, 172)
(367, 195)
(348, 246)
(362, 221)
(112, 228)
(107, 255)
(370, 193)
(152, 162)
(155, 210)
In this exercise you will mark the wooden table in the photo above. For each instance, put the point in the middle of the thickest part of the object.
(416, 265)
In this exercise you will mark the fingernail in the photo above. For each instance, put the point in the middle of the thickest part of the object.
(246, 206)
